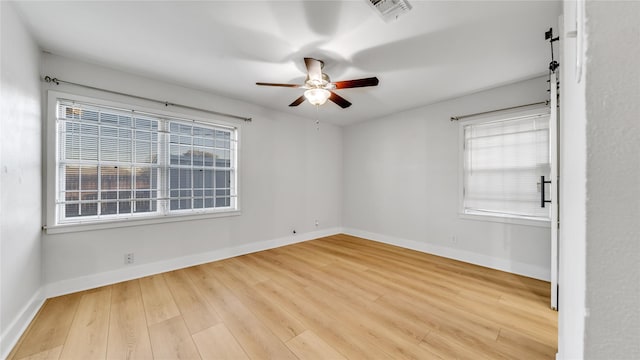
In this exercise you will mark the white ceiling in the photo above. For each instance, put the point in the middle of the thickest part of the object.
(439, 50)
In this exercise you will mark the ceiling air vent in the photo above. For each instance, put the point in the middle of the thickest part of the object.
(390, 10)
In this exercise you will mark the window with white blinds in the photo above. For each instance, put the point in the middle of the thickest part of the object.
(502, 164)
(114, 163)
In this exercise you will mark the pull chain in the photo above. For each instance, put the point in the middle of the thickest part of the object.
(317, 117)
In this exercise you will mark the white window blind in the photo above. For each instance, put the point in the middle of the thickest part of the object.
(503, 162)
(115, 163)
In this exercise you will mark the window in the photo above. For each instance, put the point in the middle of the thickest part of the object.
(114, 164)
(502, 164)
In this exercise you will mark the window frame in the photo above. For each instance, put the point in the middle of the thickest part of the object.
(51, 185)
(493, 217)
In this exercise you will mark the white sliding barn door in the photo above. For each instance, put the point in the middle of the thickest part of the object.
(553, 187)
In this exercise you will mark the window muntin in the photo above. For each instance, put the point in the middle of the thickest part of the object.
(502, 164)
(114, 164)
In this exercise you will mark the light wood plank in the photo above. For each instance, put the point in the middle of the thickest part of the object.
(278, 320)
(370, 326)
(346, 337)
(128, 333)
(51, 354)
(247, 273)
(254, 337)
(308, 346)
(514, 343)
(157, 299)
(337, 285)
(87, 337)
(50, 327)
(197, 313)
(171, 340)
(217, 342)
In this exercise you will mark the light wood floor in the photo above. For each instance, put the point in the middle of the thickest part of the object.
(338, 297)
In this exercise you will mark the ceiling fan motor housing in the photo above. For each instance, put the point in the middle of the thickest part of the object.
(325, 83)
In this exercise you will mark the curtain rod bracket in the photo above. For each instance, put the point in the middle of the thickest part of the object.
(49, 80)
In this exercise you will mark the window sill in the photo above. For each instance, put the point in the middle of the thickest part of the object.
(90, 226)
(507, 220)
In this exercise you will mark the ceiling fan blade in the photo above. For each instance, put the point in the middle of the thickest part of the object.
(372, 81)
(314, 68)
(283, 85)
(297, 101)
(339, 100)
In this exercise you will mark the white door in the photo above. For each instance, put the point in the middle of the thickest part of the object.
(553, 187)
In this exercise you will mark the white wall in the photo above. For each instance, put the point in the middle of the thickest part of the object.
(20, 176)
(401, 185)
(612, 327)
(290, 175)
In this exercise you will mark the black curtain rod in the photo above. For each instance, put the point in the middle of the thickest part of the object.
(456, 118)
(165, 103)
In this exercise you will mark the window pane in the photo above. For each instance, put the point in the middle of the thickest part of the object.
(125, 150)
(143, 178)
(72, 178)
(71, 196)
(185, 155)
(503, 162)
(112, 162)
(88, 209)
(223, 179)
(198, 203)
(185, 203)
(198, 179)
(109, 149)
(208, 179)
(198, 157)
(174, 153)
(109, 178)
(88, 178)
(144, 153)
(108, 208)
(185, 178)
(124, 207)
(72, 210)
(89, 148)
(223, 198)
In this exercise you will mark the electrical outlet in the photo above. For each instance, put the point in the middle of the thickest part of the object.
(317, 223)
(129, 259)
(454, 239)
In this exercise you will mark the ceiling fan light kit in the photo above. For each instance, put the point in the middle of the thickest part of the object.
(319, 87)
(317, 96)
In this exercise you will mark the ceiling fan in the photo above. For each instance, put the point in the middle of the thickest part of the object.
(319, 87)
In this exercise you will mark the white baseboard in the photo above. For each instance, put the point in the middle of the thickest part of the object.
(12, 334)
(511, 266)
(134, 272)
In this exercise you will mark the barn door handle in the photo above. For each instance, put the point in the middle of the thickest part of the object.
(542, 197)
